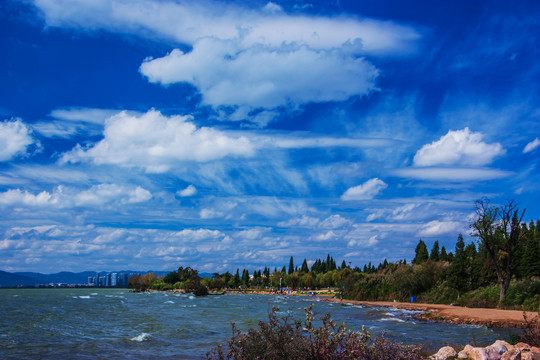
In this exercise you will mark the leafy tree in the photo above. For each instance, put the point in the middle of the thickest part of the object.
(172, 278)
(435, 254)
(498, 230)
(421, 253)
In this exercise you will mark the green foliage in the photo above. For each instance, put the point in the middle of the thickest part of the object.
(141, 282)
(279, 339)
(458, 274)
(421, 253)
(194, 286)
(435, 253)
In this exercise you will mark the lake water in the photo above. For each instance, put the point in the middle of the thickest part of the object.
(118, 324)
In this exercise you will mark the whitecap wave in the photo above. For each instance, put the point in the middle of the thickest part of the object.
(393, 319)
(169, 302)
(84, 297)
(141, 337)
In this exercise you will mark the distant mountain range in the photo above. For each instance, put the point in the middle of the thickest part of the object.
(8, 279)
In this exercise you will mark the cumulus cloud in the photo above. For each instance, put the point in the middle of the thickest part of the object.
(262, 77)
(189, 191)
(156, 143)
(15, 138)
(20, 197)
(67, 197)
(460, 147)
(365, 191)
(533, 145)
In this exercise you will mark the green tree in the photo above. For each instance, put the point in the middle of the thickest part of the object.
(498, 230)
(305, 268)
(444, 255)
(291, 266)
(435, 253)
(421, 253)
(457, 276)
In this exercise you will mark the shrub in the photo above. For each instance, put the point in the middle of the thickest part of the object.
(279, 339)
(530, 331)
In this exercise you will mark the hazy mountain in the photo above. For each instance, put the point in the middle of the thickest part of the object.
(9, 279)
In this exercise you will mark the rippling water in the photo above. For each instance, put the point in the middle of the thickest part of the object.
(117, 324)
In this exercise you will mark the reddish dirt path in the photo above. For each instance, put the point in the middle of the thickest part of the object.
(453, 314)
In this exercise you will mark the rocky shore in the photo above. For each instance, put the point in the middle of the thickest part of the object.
(499, 350)
(452, 314)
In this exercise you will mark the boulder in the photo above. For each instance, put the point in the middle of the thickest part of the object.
(464, 354)
(523, 346)
(512, 354)
(530, 355)
(502, 346)
(444, 353)
(487, 353)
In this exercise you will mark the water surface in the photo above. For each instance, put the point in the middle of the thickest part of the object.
(118, 324)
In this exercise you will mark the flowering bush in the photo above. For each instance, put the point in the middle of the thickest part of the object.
(279, 339)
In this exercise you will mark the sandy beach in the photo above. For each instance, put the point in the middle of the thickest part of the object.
(452, 314)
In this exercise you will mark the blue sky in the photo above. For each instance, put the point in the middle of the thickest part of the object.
(153, 134)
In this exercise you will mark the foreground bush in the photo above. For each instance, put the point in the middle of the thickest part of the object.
(278, 339)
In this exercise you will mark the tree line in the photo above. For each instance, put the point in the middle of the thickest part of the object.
(501, 266)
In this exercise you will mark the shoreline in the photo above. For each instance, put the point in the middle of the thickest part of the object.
(451, 314)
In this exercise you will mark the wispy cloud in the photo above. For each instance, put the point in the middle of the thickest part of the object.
(457, 174)
(533, 145)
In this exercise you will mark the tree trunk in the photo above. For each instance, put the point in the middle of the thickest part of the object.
(504, 287)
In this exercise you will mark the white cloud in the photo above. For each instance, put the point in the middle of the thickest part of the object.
(242, 57)
(460, 147)
(156, 143)
(436, 227)
(307, 141)
(77, 120)
(189, 191)
(355, 241)
(366, 191)
(19, 197)
(104, 193)
(329, 235)
(304, 221)
(190, 21)
(15, 137)
(67, 197)
(533, 145)
(451, 174)
(334, 222)
(262, 77)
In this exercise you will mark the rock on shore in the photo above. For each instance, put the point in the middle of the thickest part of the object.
(499, 350)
